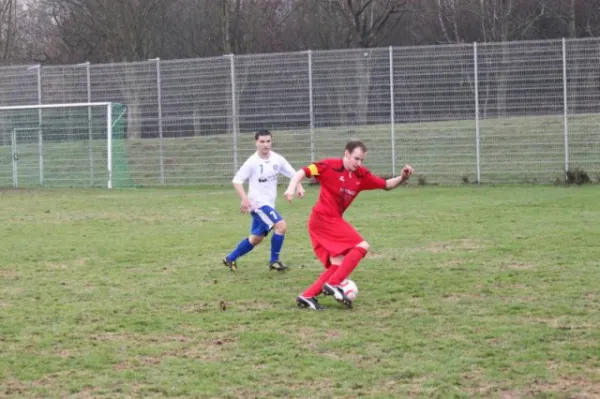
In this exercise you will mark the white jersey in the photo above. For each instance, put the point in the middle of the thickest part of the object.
(262, 178)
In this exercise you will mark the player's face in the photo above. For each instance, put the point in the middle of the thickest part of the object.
(353, 160)
(263, 145)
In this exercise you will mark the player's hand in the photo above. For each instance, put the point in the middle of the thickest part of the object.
(245, 207)
(407, 171)
(289, 196)
(300, 192)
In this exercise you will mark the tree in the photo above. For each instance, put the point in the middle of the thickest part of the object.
(364, 23)
(101, 30)
(8, 29)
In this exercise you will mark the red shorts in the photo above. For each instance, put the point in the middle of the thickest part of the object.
(331, 236)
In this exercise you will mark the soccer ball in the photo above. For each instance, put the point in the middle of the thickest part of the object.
(350, 289)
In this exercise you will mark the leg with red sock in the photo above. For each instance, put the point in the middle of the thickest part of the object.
(317, 286)
(351, 260)
(308, 298)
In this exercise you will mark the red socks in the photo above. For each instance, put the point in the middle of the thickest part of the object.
(317, 286)
(334, 274)
(350, 261)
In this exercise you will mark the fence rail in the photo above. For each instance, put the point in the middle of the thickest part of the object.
(482, 112)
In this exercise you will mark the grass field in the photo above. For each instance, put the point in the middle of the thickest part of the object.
(484, 292)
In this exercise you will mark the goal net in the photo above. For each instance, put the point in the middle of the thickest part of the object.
(63, 145)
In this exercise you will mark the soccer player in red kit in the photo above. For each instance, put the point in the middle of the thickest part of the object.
(336, 242)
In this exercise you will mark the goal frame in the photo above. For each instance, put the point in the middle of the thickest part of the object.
(89, 105)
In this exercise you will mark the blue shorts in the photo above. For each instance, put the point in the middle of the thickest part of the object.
(263, 220)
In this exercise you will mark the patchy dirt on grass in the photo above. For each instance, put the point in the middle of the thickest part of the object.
(310, 338)
(320, 386)
(13, 388)
(454, 245)
(520, 266)
(385, 254)
(137, 362)
(562, 323)
(571, 387)
(453, 263)
(9, 274)
(453, 297)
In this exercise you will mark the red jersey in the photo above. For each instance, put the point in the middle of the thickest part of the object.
(339, 187)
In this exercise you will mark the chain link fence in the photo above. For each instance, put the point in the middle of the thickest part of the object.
(483, 112)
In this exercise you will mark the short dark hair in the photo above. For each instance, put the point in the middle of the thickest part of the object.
(353, 144)
(263, 132)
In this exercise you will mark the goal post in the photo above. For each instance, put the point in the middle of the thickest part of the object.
(64, 145)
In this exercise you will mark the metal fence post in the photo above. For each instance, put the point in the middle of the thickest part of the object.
(90, 136)
(311, 107)
(477, 132)
(234, 113)
(565, 103)
(89, 98)
(15, 158)
(161, 142)
(40, 136)
(392, 111)
(109, 156)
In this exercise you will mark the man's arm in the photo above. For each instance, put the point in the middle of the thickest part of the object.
(294, 182)
(239, 189)
(240, 177)
(288, 171)
(300, 190)
(394, 182)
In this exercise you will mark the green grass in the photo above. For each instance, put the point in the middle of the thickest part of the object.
(514, 150)
(485, 292)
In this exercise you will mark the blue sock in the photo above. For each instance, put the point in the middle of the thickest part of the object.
(242, 249)
(276, 244)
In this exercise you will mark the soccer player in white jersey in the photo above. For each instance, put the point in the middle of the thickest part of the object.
(261, 171)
